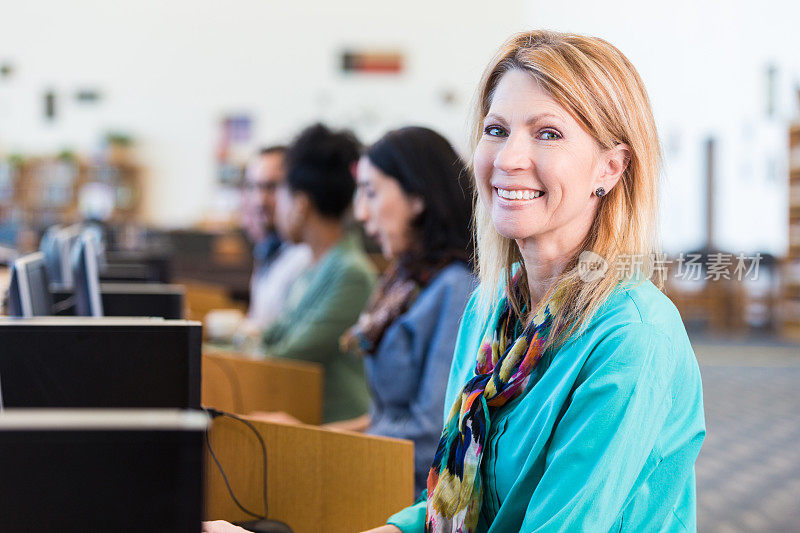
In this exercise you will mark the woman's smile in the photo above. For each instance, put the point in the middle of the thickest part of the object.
(518, 194)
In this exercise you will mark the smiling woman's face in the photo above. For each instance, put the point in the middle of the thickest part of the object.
(536, 167)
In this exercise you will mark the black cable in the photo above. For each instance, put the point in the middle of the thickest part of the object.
(263, 455)
(225, 478)
(214, 413)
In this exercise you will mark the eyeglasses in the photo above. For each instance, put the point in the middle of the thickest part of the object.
(270, 186)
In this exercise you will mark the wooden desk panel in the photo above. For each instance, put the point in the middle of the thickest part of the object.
(240, 385)
(318, 479)
(204, 297)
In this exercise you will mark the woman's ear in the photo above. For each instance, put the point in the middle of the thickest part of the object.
(302, 205)
(417, 205)
(615, 161)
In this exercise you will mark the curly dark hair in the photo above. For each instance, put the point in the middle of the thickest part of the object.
(319, 163)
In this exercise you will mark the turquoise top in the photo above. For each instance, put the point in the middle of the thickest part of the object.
(606, 434)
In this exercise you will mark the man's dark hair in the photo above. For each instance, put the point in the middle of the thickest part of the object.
(426, 165)
(319, 163)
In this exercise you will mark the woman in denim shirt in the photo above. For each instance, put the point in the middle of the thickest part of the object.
(413, 197)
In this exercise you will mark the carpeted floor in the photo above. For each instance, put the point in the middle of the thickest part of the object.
(748, 472)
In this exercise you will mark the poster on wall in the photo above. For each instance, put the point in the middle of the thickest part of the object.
(235, 134)
(373, 62)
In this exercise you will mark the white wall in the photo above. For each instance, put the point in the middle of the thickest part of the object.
(170, 70)
(704, 65)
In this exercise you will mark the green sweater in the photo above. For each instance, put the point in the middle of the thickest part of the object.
(321, 304)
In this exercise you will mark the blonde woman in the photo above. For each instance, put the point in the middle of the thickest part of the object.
(574, 401)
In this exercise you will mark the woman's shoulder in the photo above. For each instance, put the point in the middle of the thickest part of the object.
(640, 303)
(448, 292)
(638, 326)
(351, 263)
(457, 274)
(639, 332)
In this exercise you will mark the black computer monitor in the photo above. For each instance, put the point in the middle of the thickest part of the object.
(74, 362)
(86, 277)
(14, 301)
(143, 299)
(29, 290)
(101, 471)
(52, 258)
(56, 245)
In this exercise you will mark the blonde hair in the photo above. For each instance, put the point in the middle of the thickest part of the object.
(597, 85)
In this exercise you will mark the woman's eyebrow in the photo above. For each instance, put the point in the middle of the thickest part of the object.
(528, 121)
(494, 116)
(541, 116)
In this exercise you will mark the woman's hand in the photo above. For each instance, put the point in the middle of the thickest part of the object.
(221, 526)
(385, 529)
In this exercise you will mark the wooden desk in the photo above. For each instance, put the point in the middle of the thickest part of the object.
(318, 479)
(202, 297)
(239, 385)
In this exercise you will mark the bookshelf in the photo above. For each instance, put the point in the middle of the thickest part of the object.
(791, 267)
(39, 191)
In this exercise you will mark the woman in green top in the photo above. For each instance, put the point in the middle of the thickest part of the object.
(574, 401)
(326, 299)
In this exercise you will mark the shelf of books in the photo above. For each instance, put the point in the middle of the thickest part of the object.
(37, 192)
(791, 290)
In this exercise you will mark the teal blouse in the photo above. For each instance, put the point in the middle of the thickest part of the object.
(606, 434)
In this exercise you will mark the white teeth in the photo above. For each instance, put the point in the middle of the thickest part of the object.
(519, 194)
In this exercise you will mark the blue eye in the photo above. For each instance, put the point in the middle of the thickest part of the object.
(549, 135)
(495, 131)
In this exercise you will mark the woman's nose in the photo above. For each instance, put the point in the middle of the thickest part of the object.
(360, 211)
(513, 156)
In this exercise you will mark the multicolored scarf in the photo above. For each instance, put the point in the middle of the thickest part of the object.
(504, 364)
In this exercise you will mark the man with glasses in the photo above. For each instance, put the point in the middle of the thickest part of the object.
(277, 263)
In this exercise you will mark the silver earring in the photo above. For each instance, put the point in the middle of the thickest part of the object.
(600, 192)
